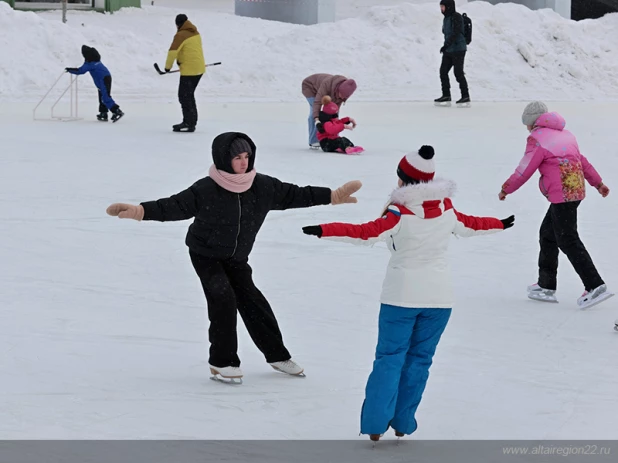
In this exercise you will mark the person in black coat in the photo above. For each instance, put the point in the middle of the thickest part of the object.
(453, 53)
(229, 207)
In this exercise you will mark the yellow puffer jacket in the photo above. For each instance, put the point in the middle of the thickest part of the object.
(187, 50)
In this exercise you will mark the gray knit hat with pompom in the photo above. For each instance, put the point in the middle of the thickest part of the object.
(533, 111)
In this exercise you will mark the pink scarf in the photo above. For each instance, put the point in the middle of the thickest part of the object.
(236, 183)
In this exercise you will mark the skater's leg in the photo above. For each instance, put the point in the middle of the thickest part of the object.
(564, 219)
(445, 67)
(256, 313)
(328, 145)
(394, 334)
(313, 132)
(186, 97)
(345, 143)
(458, 63)
(429, 326)
(221, 311)
(102, 107)
(548, 253)
(105, 88)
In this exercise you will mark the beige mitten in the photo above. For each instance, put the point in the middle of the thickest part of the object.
(342, 195)
(126, 211)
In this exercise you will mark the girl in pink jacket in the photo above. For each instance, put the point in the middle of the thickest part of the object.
(330, 126)
(554, 152)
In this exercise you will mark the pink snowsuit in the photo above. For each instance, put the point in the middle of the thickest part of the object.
(554, 152)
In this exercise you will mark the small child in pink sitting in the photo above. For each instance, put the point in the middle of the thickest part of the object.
(330, 126)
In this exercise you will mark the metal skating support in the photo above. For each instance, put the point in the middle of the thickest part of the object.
(74, 96)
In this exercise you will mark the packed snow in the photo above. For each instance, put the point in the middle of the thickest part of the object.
(103, 323)
(392, 52)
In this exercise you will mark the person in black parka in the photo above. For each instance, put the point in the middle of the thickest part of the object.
(453, 52)
(229, 207)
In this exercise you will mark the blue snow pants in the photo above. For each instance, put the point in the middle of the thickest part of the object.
(313, 132)
(407, 341)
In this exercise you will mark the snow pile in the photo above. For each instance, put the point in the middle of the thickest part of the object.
(392, 52)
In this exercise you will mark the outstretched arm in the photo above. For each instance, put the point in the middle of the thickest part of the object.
(469, 225)
(181, 206)
(83, 69)
(366, 233)
(290, 196)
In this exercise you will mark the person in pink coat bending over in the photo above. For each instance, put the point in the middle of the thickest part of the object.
(554, 152)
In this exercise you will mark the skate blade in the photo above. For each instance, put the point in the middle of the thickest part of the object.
(606, 295)
(464, 105)
(301, 374)
(542, 297)
(444, 105)
(224, 380)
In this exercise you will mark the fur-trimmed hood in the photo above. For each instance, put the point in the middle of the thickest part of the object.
(415, 195)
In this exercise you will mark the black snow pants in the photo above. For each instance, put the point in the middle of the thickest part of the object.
(331, 146)
(229, 288)
(456, 60)
(186, 97)
(559, 233)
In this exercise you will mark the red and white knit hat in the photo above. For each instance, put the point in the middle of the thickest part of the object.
(417, 167)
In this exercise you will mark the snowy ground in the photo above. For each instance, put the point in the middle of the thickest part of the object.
(102, 321)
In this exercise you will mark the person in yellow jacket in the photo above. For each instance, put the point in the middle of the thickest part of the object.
(187, 50)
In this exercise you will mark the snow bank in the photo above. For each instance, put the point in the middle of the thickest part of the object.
(391, 51)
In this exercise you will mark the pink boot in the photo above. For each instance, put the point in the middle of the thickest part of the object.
(354, 150)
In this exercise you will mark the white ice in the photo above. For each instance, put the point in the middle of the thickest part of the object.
(103, 322)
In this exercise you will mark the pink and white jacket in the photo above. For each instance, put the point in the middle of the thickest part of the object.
(555, 153)
(417, 227)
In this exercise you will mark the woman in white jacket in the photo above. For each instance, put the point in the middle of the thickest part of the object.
(416, 298)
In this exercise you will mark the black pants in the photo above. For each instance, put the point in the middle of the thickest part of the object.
(559, 232)
(107, 81)
(456, 60)
(331, 146)
(186, 96)
(229, 287)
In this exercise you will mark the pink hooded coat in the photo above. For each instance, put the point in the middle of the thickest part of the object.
(554, 152)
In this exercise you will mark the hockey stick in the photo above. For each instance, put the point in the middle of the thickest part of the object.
(158, 69)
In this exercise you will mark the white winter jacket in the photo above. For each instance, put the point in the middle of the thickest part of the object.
(417, 227)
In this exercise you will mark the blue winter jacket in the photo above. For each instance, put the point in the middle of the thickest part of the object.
(98, 71)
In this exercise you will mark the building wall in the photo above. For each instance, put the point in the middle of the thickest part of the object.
(305, 12)
(107, 5)
(115, 5)
(562, 7)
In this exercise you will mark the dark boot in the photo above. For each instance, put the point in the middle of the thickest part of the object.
(443, 99)
(102, 117)
(117, 114)
(183, 127)
(464, 99)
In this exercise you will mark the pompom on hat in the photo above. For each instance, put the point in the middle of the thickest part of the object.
(328, 107)
(417, 167)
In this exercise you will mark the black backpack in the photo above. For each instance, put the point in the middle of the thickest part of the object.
(467, 28)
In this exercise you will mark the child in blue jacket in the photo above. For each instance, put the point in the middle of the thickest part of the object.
(102, 79)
